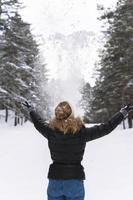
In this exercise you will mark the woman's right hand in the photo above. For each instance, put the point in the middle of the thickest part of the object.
(26, 104)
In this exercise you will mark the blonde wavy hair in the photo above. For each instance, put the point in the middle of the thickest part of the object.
(70, 124)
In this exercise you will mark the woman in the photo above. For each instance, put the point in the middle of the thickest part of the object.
(67, 137)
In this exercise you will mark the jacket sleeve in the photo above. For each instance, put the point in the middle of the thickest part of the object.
(101, 130)
(40, 124)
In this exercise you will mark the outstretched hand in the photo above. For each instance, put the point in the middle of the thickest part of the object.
(26, 104)
(128, 107)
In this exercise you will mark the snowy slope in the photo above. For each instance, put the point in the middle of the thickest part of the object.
(24, 162)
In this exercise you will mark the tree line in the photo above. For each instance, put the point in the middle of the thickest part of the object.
(21, 68)
(114, 83)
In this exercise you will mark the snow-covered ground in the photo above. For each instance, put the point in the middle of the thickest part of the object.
(25, 158)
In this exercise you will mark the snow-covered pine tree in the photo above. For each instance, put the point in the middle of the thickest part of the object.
(18, 67)
(116, 72)
(7, 9)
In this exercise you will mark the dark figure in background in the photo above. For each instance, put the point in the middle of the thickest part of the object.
(67, 137)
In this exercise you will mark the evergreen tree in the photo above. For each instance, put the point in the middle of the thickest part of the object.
(15, 72)
(7, 9)
(18, 69)
(116, 72)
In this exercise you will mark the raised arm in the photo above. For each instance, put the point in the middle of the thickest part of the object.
(101, 130)
(39, 123)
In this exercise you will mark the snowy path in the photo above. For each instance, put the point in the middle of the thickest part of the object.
(24, 161)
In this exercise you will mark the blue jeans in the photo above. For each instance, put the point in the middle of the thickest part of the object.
(65, 189)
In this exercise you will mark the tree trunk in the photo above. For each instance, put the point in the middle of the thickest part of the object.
(130, 123)
(18, 119)
(21, 120)
(124, 127)
(6, 117)
(15, 120)
(25, 120)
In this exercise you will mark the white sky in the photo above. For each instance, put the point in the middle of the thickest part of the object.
(65, 16)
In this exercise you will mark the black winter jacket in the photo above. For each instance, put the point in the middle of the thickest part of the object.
(67, 150)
